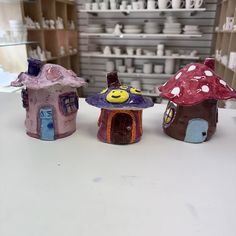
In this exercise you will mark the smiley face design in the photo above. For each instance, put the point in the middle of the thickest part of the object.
(117, 96)
(136, 91)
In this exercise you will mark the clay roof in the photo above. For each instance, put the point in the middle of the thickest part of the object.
(195, 83)
(133, 99)
(49, 75)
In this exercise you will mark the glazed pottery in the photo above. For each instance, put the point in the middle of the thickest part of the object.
(192, 112)
(120, 121)
(50, 99)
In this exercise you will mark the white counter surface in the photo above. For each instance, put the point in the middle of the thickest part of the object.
(78, 186)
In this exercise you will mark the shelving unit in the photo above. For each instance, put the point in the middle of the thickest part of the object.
(225, 41)
(53, 39)
(93, 61)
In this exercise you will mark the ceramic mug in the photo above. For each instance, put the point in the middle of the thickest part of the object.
(103, 6)
(160, 53)
(124, 4)
(122, 69)
(189, 4)
(130, 70)
(158, 69)
(113, 4)
(119, 62)
(164, 4)
(147, 68)
(130, 51)
(110, 66)
(177, 4)
(198, 3)
(135, 5)
(138, 51)
(151, 4)
(88, 6)
(95, 6)
(142, 4)
(169, 66)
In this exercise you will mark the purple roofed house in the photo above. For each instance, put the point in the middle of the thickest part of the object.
(50, 99)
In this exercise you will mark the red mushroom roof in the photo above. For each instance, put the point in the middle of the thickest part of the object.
(195, 83)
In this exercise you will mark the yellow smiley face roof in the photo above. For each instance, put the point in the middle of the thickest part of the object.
(116, 96)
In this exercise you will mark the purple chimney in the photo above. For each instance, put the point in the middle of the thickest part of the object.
(34, 66)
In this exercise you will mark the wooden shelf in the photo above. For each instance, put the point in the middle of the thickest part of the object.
(186, 57)
(52, 39)
(225, 40)
(106, 35)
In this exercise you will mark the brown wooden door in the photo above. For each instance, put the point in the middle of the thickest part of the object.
(121, 128)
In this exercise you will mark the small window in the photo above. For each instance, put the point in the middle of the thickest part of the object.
(169, 114)
(69, 103)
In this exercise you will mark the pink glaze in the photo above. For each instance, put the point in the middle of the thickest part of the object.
(49, 97)
(50, 75)
(50, 91)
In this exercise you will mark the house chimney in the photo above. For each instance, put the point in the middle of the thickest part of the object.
(34, 66)
(210, 62)
(112, 79)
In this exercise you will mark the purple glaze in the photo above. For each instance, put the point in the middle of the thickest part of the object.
(134, 102)
(34, 66)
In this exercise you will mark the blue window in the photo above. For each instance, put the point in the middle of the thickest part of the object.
(69, 103)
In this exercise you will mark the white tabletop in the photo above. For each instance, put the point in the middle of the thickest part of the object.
(78, 186)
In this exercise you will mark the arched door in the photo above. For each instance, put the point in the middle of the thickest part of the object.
(196, 131)
(46, 124)
(121, 128)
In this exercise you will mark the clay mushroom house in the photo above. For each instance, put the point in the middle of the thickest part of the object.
(120, 121)
(50, 99)
(192, 112)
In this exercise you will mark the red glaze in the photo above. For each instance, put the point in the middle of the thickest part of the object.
(196, 83)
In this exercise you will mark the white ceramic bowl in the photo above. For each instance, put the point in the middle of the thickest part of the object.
(152, 31)
(121, 69)
(132, 26)
(132, 31)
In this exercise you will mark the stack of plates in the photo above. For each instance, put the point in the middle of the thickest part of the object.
(95, 28)
(172, 28)
(191, 29)
(151, 28)
(132, 29)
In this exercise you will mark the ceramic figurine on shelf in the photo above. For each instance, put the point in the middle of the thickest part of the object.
(59, 23)
(120, 121)
(192, 112)
(117, 29)
(52, 24)
(50, 99)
